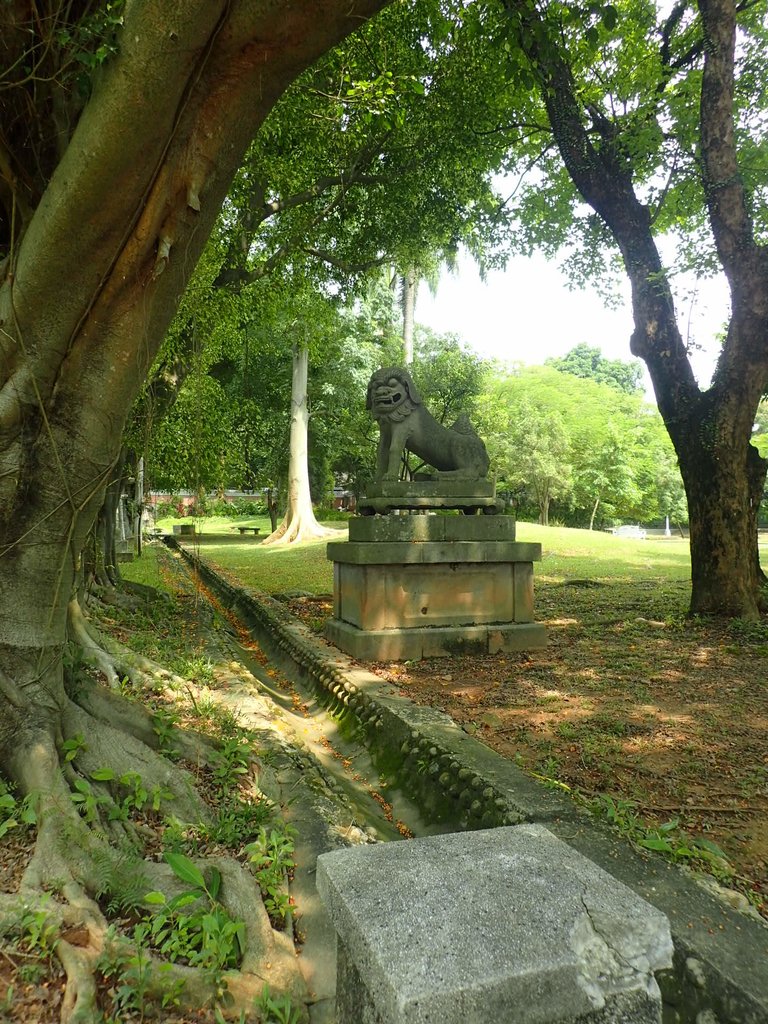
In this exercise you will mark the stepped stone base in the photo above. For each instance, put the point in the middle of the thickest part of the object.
(417, 586)
(440, 492)
(433, 642)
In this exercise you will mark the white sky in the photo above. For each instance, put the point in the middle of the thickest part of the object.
(527, 314)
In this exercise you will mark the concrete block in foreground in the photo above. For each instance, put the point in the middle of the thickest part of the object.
(508, 925)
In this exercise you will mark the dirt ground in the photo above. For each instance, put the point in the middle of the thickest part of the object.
(658, 722)
(652, 718)
(32, 981)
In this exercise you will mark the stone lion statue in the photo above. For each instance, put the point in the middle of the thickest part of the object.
(406, 424)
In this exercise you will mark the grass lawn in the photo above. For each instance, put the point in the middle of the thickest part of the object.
(659, 720)
(567, 554)
(271, 569)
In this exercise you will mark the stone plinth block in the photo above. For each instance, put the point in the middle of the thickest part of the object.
(434, 641)
(509, 926)
(424, 586)
(472, 495)
(403, 552)
(406, 595)
(420, 528)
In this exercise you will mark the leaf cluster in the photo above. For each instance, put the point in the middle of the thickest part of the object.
(585, 444)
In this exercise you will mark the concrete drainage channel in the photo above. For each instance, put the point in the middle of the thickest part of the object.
(720, 970)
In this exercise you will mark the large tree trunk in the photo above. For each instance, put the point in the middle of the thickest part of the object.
(299, 523)
(722, 533)
(92, 266)
(88, 291)
(93, 260)
(710, 430)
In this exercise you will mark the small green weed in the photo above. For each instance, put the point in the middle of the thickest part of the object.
(620, 813)
(548, 775)
(132, 794)
(195, 668)
(130, 968)
(275, 1009)
(271, 859)
(668, 839)
(13, 812)
(230, 764)
(39, 934)
(567, 730)
(216, 719)
(8, 1000)
(73, 746)
(30, 974)
(87, 801)
(240, 821)
(194, 926)
(755, 783)
(610, 725)
(748, 631)
(164, 722)
(119, 880)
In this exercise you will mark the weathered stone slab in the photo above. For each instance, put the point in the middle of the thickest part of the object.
(423, 528)
(399, 553)
(508, 925)
(434, 641)
(446, 493)
(439, 594)
(442, 488)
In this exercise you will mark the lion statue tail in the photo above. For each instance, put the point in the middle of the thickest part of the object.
(463, 426)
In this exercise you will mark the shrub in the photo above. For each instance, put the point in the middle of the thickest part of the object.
(325, 514)
(166, 510)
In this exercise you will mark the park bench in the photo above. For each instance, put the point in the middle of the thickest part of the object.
(248, 529)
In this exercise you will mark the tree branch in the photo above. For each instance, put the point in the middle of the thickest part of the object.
(723, 186)
(348, 268)
(604, 177)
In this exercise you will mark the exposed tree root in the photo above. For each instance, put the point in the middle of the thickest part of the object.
(110, 658)
(297, 528)
(122, 752)
(94, 745)
(108, 595)
(134, 719)
(72, 856)
(79, 1005)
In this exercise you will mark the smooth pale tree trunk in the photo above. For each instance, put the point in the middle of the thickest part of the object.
(299, 523)
(544, 511)
(409, 289)
(594, 513)
(138, 522)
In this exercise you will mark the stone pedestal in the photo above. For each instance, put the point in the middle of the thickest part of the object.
(414, 586)
(440, 492)
(509, 926)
